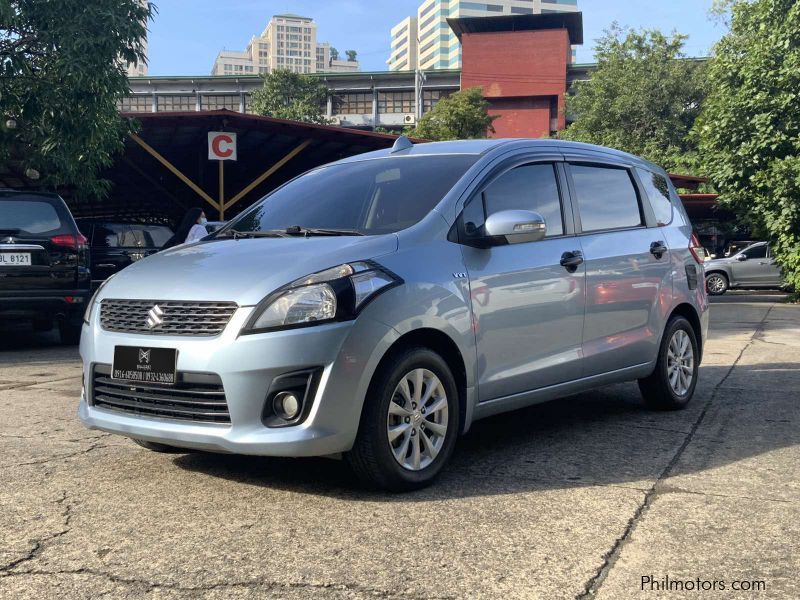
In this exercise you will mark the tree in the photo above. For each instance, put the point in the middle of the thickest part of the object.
(643, 98)
(334, 53)
(749, 129)
(352, 55)
(61, 75)
(462, 115)
(288, 95)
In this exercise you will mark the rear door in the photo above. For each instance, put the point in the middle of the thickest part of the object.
(527, 307)
(627, 266)
(39, 244)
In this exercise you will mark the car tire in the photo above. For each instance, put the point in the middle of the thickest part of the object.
(673, 381)
(70, 333)
(717, 284)
(408, 429)
(161, 448)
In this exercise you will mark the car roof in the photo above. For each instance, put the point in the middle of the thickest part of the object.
(486, 146)
(7, 192)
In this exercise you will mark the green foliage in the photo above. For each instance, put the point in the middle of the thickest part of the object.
(749, 129)
(352, 55)
(288, 95)
(334, 53)
(461, 116)
(641, 99)
(61, 74)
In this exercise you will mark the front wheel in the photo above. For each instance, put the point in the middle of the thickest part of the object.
(717, 284)
(672, 383)
(409, 423)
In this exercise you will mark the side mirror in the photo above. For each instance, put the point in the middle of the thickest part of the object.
(741, 257)
(515, 226)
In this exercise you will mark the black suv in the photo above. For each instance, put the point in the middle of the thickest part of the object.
(115, 245)
(44, 264)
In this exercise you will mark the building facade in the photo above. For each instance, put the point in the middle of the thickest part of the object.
(138, 69)
(289, 42)
(426, 41)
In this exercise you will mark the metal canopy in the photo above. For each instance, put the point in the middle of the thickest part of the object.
(165, 168)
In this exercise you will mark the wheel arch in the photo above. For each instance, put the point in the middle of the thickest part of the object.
(689, 312)
(441, 343)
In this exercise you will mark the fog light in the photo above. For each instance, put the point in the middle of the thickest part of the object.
(286, 405)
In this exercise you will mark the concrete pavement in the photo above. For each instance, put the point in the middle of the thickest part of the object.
(579, 498)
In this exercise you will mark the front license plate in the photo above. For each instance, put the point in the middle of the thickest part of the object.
(148, 365)
(15, 259)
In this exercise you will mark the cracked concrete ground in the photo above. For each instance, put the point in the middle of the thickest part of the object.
(579, 498)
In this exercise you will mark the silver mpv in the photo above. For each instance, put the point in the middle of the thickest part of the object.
(377, 306)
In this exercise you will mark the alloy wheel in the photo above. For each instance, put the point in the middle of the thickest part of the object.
(417, 419)
(680, 363)
(715, 284)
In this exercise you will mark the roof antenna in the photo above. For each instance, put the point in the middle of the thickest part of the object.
(402, 143)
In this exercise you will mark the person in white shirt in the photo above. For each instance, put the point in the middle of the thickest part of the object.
(191, 228)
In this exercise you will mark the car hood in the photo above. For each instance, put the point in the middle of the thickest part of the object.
(242, 271)
(719, 262)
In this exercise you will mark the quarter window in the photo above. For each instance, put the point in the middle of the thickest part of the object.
(657, 190)
(606, 198)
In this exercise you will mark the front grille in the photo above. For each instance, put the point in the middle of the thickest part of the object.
(166, 317)
(195, 397)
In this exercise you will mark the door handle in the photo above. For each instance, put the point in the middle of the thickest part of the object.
(658, 249)
(572, 260)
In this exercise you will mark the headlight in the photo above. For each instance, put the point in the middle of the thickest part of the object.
(87, 315)
(335, 294)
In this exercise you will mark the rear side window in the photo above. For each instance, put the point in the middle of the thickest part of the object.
(657, 190)
(530, 187)
(606, 198)
(29, 216)
(155, 236)
(107, 235)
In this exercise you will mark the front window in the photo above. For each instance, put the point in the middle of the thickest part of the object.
(371, 197)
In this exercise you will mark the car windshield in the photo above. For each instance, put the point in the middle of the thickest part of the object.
(369, 197)
(28, 216)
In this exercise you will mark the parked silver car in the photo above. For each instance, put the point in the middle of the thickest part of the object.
(376, 307)
(753, 267)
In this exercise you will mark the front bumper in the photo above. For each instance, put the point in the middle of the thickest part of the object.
(347, 353)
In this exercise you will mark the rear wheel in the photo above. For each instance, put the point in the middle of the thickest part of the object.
(162, 448)
(717, 284)
(672, 383)
(409, 423)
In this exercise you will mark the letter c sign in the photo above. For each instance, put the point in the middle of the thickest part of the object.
(221, 145)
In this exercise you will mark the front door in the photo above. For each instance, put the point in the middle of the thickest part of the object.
(752, 266)
(527, 308)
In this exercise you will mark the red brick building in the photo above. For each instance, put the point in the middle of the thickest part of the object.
(521, 63)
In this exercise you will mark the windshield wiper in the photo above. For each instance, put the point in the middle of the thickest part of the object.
(309, 231)
(238, 235)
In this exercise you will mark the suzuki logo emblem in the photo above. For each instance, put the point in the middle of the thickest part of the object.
(144, 356)
(9, 240)
(155, 317)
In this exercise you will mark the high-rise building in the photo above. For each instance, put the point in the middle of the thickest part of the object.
(426, 41)
(138, 69)
(289, 42)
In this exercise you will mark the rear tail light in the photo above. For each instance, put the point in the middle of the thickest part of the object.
(695, 247)
(76, 242)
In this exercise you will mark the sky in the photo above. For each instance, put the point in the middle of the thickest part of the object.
(186, 35)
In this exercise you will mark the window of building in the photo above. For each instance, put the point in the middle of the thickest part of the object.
(176, 103)
(401, 32)
(520, 10)
(430, 98)
(353, 104)
(530, 187)
(657, 190)
(219, 101)
(606, 198)
(395, 102)
(138, 103)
